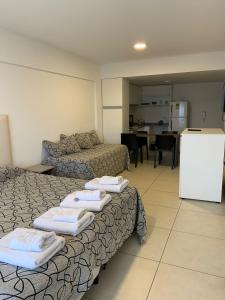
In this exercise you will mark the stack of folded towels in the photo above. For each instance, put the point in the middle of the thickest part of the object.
(64, 220)
(108, 183)
(91, 200)
(94, 198)
(29, 248)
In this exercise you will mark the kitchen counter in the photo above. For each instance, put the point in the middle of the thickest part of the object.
(150, 127)
(191, 131)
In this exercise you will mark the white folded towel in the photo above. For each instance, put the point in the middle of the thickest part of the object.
(26, 259)
(46, 222)
(114, 188)
(86, 195)
(69, 215)
(30, 239)
(89, 205)
(111, 180)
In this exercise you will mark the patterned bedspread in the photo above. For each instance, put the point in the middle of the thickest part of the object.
(26, 195)
(103, 159)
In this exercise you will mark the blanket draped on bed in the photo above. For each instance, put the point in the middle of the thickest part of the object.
(103, 159)
(24, 196)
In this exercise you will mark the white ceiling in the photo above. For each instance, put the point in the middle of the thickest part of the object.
(105, 30)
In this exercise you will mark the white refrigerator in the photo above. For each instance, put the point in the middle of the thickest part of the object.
(178, 116)
(201, 164)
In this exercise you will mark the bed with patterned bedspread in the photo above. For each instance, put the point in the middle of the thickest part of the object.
(24, 196)
(102, 159)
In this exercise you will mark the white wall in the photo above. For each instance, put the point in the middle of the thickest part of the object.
(165, 65)
(45, 91)
(203, 97)
(177, 64)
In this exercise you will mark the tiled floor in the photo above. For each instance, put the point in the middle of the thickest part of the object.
(184, 255)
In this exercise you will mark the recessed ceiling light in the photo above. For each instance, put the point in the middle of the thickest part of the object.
(140, 46)
(167, 81)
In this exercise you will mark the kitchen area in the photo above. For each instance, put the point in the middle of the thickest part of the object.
(151, 109)
(191, 104)
(158, 103)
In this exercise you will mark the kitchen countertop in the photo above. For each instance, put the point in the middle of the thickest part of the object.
(200, 131)
(143, 126)
(150, 124)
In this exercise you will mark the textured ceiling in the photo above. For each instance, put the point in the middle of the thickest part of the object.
(105, 30)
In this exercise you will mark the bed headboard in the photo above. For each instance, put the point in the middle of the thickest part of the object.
(5, 144)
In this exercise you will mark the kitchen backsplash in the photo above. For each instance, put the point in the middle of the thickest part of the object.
(150, 114)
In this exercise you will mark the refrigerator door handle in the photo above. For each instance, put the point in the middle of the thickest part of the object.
(171, 125)
(171, 109)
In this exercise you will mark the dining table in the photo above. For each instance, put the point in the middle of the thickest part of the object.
(151, 139)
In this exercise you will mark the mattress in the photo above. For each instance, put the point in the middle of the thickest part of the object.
(26, 195)
(103, 159)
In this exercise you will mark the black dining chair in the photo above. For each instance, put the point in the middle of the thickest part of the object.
(164, 143)
(130, 140)
(143, 140)
(167, 132)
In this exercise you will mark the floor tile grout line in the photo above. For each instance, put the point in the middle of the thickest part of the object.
(202, 212)
(161, 172)
(222, 277)
(170, 230)
(123, 252)
(153, 204)
(197, 234)
(163, 252)
(157, 190)
(170, 264)
(154, 180)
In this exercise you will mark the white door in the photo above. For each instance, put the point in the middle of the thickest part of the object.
(178, 124)
(178, 109)
(112, 125)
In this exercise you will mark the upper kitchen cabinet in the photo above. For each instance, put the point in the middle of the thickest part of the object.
(112, 92)
(156, 95)
(135, 94)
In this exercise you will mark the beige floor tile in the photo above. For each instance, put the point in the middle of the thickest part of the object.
(125, 278)
(146, 173)
(200, 223)
(160, 216)
(152, 248)
(176, 170)
(172, 283)
(141, 182)
(204, 207)
(142, 191)
(196, 252)
(165, 185)
(162, 198)
(172, 177)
